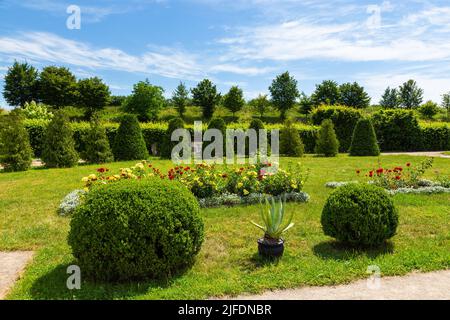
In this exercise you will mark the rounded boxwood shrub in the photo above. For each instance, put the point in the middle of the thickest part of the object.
(129, 144)
(168, 144)
(59, 145)
(327, 142)
(133, 230)
(364, 141)
(360, 214)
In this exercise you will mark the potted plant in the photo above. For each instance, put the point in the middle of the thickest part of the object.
(273, 216)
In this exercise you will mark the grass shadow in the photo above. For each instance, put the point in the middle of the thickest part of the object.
(52, 285)
(336, 250)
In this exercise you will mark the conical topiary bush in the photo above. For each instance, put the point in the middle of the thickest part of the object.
(168, 144)
(97, 144)
(15, 149)
(291, 144)
(59, 145)
(364, 141)
(129, 144)
(327, 143)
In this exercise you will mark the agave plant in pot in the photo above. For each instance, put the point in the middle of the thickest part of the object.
(275, 223)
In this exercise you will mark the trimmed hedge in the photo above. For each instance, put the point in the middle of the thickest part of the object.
(360, 214)
(344, 121)
(435, 137)
(133, 230)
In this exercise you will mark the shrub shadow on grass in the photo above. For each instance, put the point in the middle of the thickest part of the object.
(53, 285)
(340, 251)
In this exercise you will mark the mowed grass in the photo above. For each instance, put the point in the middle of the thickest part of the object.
(228, 263)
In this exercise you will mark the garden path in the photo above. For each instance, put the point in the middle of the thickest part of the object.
(436, 154)
(415, 286)
(11, 266)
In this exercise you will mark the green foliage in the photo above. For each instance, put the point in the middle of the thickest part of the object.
(205, 96)
(306, 104)
(327, 142)
(284, 93)
(15, 150)
(390, 99)
(93, 95)
(446, 104)
(360, 214)
(364, 141)
(129, 144)
(57, 87)
(97, 144)
(397, 130)
(435, 137)
(133, 230)
(353, 95)
(38, 111)
(20, 84)
(260, 104)
(234, 100)
(326, 93)
(59, 145)
(429, 109)
(256, 124)
(344, 121)
(290, 142)
(275, 222)
(145, 101)
(168, 145)
(180, 98)
(218, 123)
(117, 101)
(411, 96)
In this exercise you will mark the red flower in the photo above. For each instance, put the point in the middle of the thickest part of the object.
(371, 174)
(408, 164)
(398, 178)
(380, 171)
(102, 170)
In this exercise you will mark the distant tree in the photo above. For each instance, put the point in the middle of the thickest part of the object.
(98, 149)
(353, 95)
(390, 99)
(59, 145)
(284, 93)
(261, 104)
(446, 103)
(306, 104)
(180, 98)
(429, 109)
(20, 84)
(411, 96)
(117, 101)
(15, 150)
(93, 95)
(205, 96)
(146, 101)
(234, 100)
(57, 86)
(327, 93)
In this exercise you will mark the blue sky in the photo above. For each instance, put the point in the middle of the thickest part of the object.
(245, 42)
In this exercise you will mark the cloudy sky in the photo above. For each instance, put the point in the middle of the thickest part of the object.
(244, 42)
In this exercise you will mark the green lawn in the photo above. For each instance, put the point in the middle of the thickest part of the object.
(228, 263)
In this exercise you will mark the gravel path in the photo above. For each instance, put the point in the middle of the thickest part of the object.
(11, 266)
(415, 286)
(435, 154)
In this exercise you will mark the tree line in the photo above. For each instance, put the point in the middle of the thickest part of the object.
(58, 87)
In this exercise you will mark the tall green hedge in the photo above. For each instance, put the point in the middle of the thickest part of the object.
(344, 121)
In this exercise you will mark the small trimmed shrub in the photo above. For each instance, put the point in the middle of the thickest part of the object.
(59, 145)
(256, 124)
(344, 121)
(132, 230)
(168, 144)
(97, 149)
(291, 144)
(327, 142)
(364, 141)
(15, 150)
(360, 214)
(129, 143)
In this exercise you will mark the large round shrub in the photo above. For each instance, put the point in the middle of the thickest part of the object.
(360, 214)
(136, 230)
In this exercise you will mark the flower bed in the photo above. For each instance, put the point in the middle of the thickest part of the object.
(218, 186)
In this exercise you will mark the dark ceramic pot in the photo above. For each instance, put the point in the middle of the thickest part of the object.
(270, 248)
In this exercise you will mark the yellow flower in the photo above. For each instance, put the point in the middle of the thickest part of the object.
(139, 166)
(246, 192)
(86, 189)
(92, 177)
(294, 186)
(240, 185)
(85, 179)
